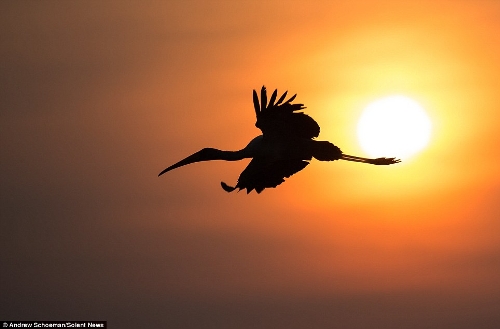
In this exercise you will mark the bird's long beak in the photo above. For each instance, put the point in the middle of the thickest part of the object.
(196, 157)
(377, 161)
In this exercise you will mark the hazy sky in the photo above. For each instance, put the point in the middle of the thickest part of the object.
(98, 97)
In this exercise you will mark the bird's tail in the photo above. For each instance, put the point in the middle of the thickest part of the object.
(325, 151)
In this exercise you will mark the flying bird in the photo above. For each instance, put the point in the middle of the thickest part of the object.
(286, 146)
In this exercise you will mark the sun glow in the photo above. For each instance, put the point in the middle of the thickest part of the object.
(395, 126)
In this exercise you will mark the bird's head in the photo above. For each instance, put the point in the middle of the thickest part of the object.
(205, 154)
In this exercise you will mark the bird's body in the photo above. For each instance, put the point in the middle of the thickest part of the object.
(285, 147)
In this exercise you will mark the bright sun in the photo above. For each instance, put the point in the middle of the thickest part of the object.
(394, 126)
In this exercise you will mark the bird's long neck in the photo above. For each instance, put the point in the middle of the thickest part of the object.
(216, 154)
(250, 151)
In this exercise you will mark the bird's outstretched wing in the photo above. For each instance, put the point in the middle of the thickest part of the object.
(281, 118)
(259, 175)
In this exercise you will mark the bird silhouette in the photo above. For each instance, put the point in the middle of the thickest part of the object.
(286, 146)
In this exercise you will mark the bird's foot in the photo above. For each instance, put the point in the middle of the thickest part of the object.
(227, 188)
(384, 161)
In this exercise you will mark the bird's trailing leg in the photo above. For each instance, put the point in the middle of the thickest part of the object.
(377, 161)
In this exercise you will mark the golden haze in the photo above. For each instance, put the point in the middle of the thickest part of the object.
(99, 97)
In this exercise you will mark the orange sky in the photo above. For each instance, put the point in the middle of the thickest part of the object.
(97, 98)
